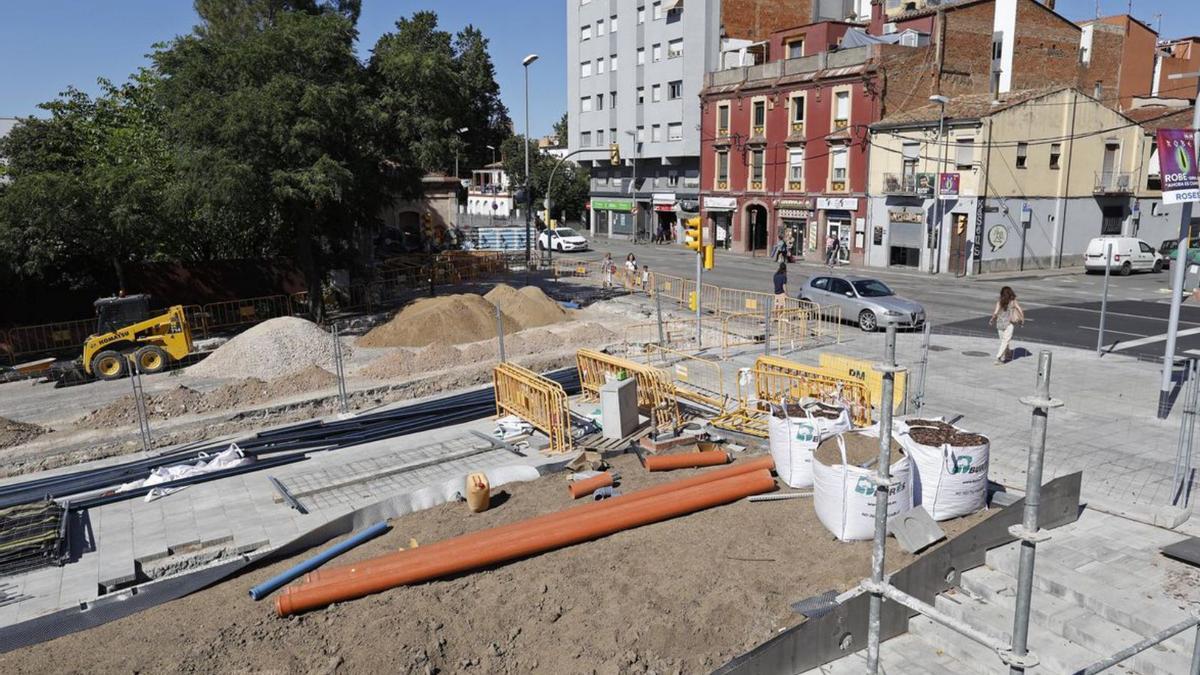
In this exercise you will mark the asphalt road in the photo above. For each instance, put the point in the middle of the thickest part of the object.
(1060, 309)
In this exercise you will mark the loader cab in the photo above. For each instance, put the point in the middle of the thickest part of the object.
(113, 314)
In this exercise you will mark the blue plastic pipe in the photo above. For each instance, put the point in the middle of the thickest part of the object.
(274, 583)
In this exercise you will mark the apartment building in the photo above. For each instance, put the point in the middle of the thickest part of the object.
(1019, 183)
(1117, 57)
(635, 69)
(1177, 57)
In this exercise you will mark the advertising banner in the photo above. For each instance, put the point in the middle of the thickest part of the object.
(1177, 166)
(948, 186)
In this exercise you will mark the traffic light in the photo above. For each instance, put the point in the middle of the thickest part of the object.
(614, 154)
(692, 233)
(709, 261)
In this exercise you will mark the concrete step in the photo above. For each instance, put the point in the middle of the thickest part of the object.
(902, 655)
(976, 658)
(1072, 622)
(1055, 653)
(1108, 590)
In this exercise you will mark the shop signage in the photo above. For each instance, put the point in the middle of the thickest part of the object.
(997, 237)
(612, 204)
(1177, 166)
(906, 214)
(795, 213)
(720, 203)
(948, 185)
(838, 203)
(664, 197)
(689, 205)
(664, 207)
(794, 204)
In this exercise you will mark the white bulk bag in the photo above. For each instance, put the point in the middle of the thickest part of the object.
(792, 440)
(844, 496)
(826, 426)
(951, 481)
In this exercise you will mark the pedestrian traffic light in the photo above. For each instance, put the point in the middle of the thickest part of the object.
(692, 234)
(709, 259)
(614, 154)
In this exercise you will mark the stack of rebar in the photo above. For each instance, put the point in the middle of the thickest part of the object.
(31, 535)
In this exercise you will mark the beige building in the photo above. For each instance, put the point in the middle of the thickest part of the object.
(1153, 220)
(1025, 183)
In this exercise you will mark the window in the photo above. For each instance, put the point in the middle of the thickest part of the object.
(641, 95)
(674, 14)
(674, 90)
(612, 134)
(612, 63)
(1055, 153)
(641, 134)
(600, 66)
(672, 178)
(599, 138)
(585, 69)
(841, 109)
(641, 15)
(722, 170)
(599, 101)
(756, 169)
(837, 158)
(964, 153)
(656, 53)
(585, 139)
(795, 168)
(585, 33)
(612, 23)
(840, 287)
(795, 49)
(656, 93)
(585, 104)
(723, 120)
(1022, 154)
(612, 99)
(821, 283)
(675, 131)
(911, 153)
(658, 14)
(675, 48)
(600, 28)
(641, 56)
(758, 118)
(798, 114)
(655, 133)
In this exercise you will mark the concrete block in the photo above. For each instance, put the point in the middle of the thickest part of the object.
(618, 408)
(1171, 517)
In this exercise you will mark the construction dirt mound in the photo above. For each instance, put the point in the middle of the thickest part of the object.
(272, 349)
(528, 307)
(14, 433)
(184, 400)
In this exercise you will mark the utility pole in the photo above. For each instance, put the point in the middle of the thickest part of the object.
(935, 246)
(1164, 391)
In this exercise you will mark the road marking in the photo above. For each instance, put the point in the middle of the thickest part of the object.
(1109, 313)
(1109, 330)
(1122, 346)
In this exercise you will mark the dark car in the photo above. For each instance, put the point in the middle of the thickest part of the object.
(1169, 246)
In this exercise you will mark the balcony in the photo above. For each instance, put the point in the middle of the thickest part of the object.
(1113, 183)
(899, 184)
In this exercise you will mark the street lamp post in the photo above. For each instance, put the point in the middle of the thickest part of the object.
(637, 149)
(935, 251)
(457, 177)
(528, 194)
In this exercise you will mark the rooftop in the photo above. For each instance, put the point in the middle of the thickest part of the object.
(966, 106)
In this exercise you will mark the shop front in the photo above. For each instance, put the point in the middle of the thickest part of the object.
(905, 227)
(665, 218)
(794, 217)
(719, 219)
(841, 222)
(612, 217)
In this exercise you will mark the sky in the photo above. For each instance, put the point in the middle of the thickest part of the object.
(50, 44)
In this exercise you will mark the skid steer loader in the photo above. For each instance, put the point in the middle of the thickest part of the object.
(126, 334)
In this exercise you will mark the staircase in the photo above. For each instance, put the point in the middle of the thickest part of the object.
(1100, 585)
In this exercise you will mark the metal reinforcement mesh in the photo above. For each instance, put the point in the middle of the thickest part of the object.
(31, 535)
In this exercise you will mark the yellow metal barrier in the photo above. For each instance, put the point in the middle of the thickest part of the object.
(49, 337)
(836, 365)
(776, 378)
(654, 389)
(789, 329)
(535, 399)
(676, 334)
(247, 311)
(696, 378)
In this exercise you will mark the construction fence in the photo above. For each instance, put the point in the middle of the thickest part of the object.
(394, 280)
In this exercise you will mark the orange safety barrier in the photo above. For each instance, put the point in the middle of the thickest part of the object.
(619, 515)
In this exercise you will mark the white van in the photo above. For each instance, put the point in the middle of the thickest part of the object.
(1128, 254)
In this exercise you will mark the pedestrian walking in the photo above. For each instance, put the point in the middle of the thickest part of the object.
(645, 278)
(832, 248)
(1005, 316)
(780, 280)
(608, 268)
(631, 264)
(779, 253)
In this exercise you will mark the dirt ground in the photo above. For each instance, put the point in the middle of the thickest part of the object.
(681, 596)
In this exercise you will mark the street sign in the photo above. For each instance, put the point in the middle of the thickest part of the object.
(1177, 166)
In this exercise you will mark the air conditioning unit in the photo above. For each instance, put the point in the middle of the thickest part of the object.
(889, 28)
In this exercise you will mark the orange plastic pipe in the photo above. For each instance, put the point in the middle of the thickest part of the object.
(484, 538)
(617, 518)
(687, 460)
(585, 487)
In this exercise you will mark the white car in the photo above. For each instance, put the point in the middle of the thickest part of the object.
(561, 239)
(1129, 254)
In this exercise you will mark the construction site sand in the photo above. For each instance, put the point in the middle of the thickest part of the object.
(451, 320)
(275, 348)
(13, 433)
(681, 596)
(528, 307)
(184, 400)
(406, 362)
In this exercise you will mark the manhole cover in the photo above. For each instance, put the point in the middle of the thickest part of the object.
(938, 348)
(970, 352)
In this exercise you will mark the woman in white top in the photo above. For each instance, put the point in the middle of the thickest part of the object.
(1007, 313)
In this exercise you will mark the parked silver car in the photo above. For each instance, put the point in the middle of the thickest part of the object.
(868, 302)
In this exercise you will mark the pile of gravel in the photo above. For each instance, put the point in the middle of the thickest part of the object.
(270, 350)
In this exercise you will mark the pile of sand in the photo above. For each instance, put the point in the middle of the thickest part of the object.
(272, 349)
(451, 320)
(528, 307)
(14, 433)
(407, 362)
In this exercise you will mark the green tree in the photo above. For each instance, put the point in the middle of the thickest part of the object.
(562, 132)
(268, 113)
(571, 186)
(482, 113)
